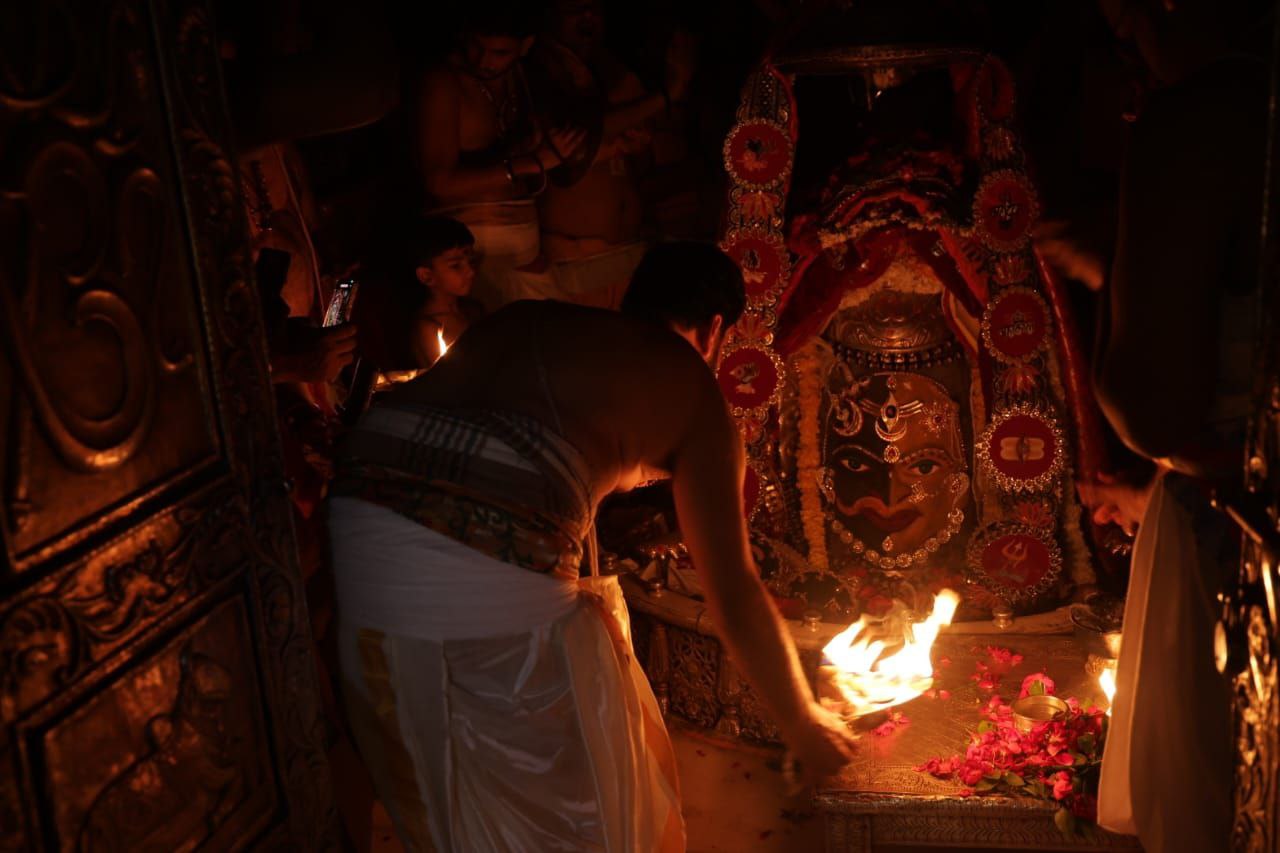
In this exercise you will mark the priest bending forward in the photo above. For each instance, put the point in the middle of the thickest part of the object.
(496, 698)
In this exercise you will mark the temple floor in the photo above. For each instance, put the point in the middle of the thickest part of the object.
(735, 798)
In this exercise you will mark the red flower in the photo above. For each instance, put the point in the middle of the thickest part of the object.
(1003, 660)
(1029, 685)
(997, 752)
(1063, 785)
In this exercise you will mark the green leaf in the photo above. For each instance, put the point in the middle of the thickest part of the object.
(1036, 688)
(1038, 788)
(1079, 759)
(1065, 821)
(984, 786)
(986, 726)
(1014, 779)
(1086, 743)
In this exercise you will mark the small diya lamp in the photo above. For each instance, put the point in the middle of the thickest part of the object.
(1032, 711)
(1107, 681)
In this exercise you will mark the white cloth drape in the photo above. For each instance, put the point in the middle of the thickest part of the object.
(497, 709)
(1166, 770)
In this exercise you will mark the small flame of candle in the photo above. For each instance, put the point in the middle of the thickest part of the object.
(444, 348)
(1107, 681)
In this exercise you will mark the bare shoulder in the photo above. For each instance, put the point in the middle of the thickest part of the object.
(609, 357)
(641, 385)
(438, 87)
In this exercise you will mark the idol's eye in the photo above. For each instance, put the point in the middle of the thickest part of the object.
(854, 466)
(925, 467)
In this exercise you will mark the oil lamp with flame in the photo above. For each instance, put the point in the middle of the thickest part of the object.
(867, 679)
(1107, 681)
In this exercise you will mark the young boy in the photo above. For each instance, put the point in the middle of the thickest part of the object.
(442, 251)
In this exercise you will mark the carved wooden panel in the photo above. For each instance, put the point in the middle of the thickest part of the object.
(181, 741)
(106, 372)
(156, 684)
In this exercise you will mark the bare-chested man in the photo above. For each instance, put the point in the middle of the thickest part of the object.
(496, 698)
(591, 229)
(483, 153)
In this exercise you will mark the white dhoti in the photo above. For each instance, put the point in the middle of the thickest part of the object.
(498, 709)
(598, 280)
(1167, 768)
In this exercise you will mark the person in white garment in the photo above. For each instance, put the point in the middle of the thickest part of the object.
(1174, 381)
(494, 695)
(484, 153)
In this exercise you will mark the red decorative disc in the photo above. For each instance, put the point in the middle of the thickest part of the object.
(1015, 325)
(1023, 450)
(750, 377)
(761, 259)
(757, 153)
(1004, 210)
(1014, 561)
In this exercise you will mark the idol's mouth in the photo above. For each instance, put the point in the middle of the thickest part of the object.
(881, 517)
(900, 520)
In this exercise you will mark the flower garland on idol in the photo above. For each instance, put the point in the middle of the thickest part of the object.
(809, 365)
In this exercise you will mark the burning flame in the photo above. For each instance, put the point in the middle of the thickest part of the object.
(1107, 681)
(444, 348)
(871, 683)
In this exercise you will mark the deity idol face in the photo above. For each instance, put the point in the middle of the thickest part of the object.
(894, 473)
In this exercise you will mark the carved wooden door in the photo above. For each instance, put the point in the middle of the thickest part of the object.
(156, 682)
(1249, 633)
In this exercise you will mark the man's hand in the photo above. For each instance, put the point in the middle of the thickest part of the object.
(560, 145)
(821, 744)
(337, 350)
(314, 355)
(681, 60)
(1112, 501)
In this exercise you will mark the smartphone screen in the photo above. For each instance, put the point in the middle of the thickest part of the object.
(341, 303)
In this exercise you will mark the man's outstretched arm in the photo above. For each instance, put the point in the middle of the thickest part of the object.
(707, 482)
